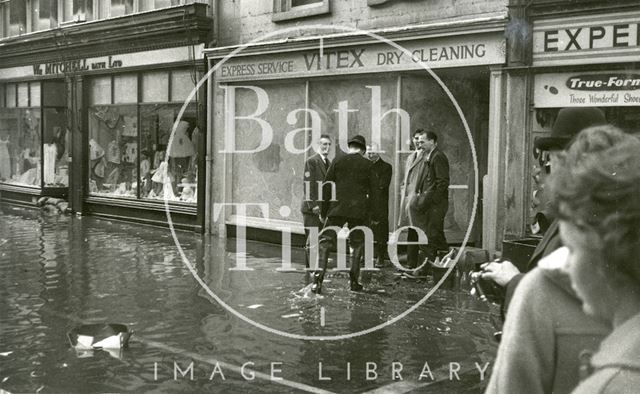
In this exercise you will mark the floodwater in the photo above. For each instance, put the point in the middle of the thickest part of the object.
(61, 271)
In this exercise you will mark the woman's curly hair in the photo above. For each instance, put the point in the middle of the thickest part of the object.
(596, 186)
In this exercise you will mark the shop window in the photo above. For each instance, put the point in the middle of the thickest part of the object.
(430, 109)
(23, 94)
(56, 138)
(34, 94)
(155, 87)
(10, 94)
(277, 169)
(113, 148)
(77, 10)
(130, 152)
(182, 83)
(292, 9)
(100, 91)
(175, 179)
(20, 153)
(125, 89)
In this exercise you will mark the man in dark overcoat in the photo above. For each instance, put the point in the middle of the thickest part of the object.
(352, 179)
(414, 170)
(433, 195)
(380, 208)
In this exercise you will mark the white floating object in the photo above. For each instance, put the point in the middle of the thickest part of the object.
(5, 354)
(290, 315)
(254, 306)
(84, 342)
(112, 342)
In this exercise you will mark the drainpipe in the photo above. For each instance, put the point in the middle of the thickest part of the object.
(215, 9)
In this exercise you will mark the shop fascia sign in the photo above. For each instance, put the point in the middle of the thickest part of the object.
(105, 63)
(592, 39)
(79, 65)
(580, 89)
(454, 51)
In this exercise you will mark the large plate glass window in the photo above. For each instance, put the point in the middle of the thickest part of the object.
(113, 137)
(20, 137)
(131, 153)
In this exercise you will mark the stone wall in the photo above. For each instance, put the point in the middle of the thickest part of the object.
(244, 20)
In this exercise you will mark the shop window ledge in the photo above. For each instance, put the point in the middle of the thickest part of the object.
(266, 224)
(33, 190)
(174, 207)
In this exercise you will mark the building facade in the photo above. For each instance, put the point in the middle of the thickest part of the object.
(571, 54)
(284, 70)
(90, 93)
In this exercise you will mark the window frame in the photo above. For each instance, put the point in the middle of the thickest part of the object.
(283, 11)
(101, 10)
(140, 104)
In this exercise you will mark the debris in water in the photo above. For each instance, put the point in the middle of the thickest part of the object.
(290, 315)
(254, 306)
(5, 354)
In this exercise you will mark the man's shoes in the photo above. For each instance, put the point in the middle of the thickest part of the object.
(353, 280)
(379, 262)
(316, 287)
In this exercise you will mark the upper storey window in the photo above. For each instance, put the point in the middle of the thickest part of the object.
(19, 17)
(284, 10)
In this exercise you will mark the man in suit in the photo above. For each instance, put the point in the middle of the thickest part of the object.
(315, 169)
(424, 198)
(353, 179)
(380, 211)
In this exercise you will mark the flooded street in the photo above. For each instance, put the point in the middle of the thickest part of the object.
(61, 271)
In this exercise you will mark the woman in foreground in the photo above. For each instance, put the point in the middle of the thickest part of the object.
(597, 198)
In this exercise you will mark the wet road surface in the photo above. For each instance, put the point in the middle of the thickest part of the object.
(60, 271)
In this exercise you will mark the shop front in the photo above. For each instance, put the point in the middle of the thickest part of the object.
(269, 100)
(98, 120)
(582, 61)
(133, 164)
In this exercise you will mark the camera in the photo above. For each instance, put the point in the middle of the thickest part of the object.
(486, 289)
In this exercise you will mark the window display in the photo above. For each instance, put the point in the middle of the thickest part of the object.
(112, 135)
(20, 153)
(55, 149)
(131, 153)
(169, 171)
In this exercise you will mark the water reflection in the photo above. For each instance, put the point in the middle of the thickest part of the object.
(62, 271)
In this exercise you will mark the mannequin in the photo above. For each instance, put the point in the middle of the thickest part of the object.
(5, 161)
(180, 150)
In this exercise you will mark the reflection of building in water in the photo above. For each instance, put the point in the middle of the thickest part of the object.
(114, 85)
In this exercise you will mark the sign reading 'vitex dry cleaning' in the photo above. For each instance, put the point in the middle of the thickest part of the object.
(479, 49)
(603, 89)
